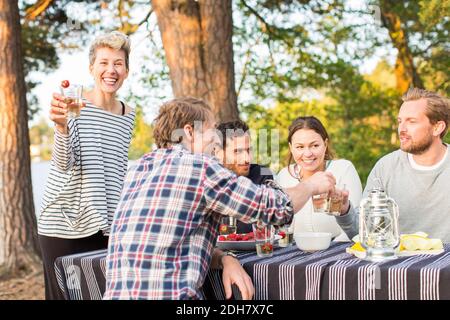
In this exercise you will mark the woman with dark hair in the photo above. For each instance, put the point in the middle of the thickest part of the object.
(311, 152)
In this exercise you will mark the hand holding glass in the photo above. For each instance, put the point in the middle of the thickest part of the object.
(73, 98)
(337, 200)
(330, 203)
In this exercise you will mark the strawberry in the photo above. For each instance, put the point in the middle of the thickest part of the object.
(223, 228)
(232, 237)
(260, 233)
(65, 83)
(267, 247)
(222, 238)
(282, 234)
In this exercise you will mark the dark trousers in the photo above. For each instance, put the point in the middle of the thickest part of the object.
(53, 248)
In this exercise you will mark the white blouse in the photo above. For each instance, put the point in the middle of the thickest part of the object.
(306, 220)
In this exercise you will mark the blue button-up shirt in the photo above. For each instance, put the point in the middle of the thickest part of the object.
(166, 224)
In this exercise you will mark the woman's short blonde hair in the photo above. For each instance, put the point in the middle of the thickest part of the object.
(114, 40)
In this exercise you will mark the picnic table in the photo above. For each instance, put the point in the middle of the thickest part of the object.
(291, 274)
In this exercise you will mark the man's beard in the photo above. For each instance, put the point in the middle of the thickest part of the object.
(419, 147)
(238, 171)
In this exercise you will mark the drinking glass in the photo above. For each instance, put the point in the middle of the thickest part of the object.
(320, 203)
(264, 237)
(336, 200)
(73, 98)
(287, 235)
(227, 225)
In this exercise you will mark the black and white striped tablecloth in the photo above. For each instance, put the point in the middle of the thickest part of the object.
(292, 274)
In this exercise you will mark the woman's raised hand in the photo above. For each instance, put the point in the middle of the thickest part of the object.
(58, 112)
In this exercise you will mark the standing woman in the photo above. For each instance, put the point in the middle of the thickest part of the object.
(89, 162)
(310, 152)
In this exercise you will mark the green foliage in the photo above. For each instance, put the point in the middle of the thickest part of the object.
(427, 25)
(432, 12)
(360, 117)
(41, 137)
(301, 57)
(142, 140)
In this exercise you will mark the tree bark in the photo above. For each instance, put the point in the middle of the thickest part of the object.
(18, 236)
(197, 40)
(405, 70)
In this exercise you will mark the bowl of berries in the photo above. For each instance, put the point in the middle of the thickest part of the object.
(238, 241)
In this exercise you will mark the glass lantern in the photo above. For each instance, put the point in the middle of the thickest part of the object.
(378, 226)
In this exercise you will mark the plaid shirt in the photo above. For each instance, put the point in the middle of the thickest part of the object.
(166, 225)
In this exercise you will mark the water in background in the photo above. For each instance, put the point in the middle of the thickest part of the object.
(39, 173)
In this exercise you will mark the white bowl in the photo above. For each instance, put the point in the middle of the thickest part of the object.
(312, 241)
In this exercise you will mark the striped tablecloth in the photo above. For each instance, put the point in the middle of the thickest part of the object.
(292, 274)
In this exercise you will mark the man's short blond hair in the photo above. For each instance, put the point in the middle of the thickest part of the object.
(174, 115)
(438, 107)
(114, 40)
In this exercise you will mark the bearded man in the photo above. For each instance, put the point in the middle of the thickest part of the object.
(417, 176)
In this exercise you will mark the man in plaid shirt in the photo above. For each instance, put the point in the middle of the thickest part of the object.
(166, 225)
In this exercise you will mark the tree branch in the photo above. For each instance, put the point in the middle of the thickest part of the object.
(431, 45)
(35, 10)
(127, 27)
(266, 26)
(120, 8)
(244, 69)
(146, 17)
(272, 31)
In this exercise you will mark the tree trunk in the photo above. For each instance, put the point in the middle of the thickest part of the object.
(197, 40)
(405, 70)
(18, 237)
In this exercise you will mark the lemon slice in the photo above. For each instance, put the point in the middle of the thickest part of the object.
(422, 235)
(418, 241)
(357, 247)
(415, 243)
(436, 244)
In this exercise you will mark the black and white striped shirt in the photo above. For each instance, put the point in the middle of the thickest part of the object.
(86, 176)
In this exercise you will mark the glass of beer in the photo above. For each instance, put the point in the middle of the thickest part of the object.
(73, 98)
(336, 200)
(320, 203)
